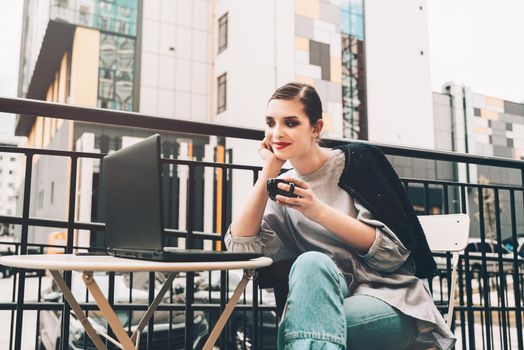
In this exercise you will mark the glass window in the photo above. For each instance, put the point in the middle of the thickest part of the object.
(116, 72)
(222, 33)
(222, 90)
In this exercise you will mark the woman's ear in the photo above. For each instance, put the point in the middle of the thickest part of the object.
(317, 129)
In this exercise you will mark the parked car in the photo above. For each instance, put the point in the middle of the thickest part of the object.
(510, 245)
(163, 338)
(239, 336)
(475, 248)
(8, 247)
(492, 249)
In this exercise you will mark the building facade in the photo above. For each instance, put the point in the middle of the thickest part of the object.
(10, 175)
(115, 54)
(219, 61)
(468, 122)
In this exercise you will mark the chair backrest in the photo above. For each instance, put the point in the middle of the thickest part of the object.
(446, 233)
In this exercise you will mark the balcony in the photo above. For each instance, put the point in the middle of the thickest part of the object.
(201, 184)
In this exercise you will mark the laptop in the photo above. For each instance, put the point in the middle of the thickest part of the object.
(133, 203)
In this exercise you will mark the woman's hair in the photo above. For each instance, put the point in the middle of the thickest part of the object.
(306, 94)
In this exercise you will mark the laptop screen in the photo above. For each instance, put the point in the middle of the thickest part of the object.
(133, 200)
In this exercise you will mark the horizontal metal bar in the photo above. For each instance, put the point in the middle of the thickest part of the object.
(456, 183)
(31, 108)
(113, 117)
(58, 306)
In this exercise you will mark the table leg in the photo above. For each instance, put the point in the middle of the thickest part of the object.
(107, 311)
(230, 306)
(149, 313)
(78, 311)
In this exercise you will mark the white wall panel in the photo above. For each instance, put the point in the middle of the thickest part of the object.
(200, 78)
(150, 36)
(398, 77)
(167, 39)
(148, 100)
(167, 11)
(166, 73)
(199, 107)
(152, 9)
(149, 69)
(165, 103)
(182, 105)
(183, 75)
(183, 42)
(184, 12)
(200, 46)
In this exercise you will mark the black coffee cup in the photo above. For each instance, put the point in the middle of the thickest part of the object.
(273, 190)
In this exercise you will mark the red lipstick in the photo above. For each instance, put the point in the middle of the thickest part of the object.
(280, 145)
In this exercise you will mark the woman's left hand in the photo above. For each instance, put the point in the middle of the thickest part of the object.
(307, 203)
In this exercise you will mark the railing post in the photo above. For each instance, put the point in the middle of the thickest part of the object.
(484, 269)
(69, 247)
(190, 290)
(502, 274)
(23, 249)
(516, 279)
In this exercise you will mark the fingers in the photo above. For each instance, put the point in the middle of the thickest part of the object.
(299, 191)
(288, 201)
(297, 182)
(266, 144)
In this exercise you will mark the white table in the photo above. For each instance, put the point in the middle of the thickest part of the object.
(87, 264)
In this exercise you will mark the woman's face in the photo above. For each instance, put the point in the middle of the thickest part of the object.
(288, 129)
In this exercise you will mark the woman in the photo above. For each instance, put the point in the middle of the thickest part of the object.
(358, 245)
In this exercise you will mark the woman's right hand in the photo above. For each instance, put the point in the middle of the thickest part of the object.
(265, 152)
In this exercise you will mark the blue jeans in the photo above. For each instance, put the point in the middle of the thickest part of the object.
(320, 315)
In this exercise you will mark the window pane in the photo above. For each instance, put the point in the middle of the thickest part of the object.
(221, 88)
(222, 33)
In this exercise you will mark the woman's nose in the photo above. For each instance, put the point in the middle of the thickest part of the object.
(277, 132)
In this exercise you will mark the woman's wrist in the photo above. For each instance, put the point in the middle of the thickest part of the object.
(321, 214)
(271, 168)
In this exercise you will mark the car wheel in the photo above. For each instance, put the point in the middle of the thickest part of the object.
(242, 337)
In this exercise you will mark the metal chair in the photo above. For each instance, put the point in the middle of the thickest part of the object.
(447, 233)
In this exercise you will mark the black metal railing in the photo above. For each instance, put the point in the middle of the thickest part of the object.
(489, 308)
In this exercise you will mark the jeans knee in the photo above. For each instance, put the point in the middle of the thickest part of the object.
(312, 263)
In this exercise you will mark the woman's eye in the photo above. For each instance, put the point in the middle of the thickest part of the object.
(291, 124)
(269, 123)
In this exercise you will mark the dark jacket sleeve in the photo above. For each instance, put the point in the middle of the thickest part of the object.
(370, 178)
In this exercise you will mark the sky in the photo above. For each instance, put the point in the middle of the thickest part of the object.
(10, 29)
(477, 43)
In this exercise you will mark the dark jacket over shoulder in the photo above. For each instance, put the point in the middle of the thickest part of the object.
(369, 177)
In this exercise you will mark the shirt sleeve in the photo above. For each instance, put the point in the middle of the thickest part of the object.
(387, 253)
(267, 241)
